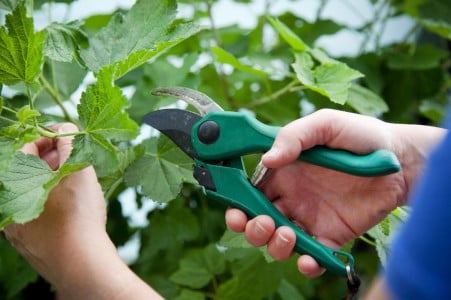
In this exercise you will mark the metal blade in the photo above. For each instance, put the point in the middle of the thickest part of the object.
(176, 124)
(200, 101)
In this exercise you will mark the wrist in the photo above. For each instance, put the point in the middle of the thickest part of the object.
(97, 272)
(413, 145)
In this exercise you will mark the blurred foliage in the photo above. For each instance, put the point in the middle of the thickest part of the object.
(276, 69)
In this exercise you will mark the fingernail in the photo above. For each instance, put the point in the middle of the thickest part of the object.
(272, 153)
(260, 229)
(66, 128)
(281, 241)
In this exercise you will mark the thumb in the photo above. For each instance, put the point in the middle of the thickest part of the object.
(64, 143)
(319, 128)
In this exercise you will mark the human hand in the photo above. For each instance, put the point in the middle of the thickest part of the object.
(333, 207)
(68, 243)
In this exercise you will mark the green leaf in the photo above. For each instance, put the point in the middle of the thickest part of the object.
(365, 101)
(384, 232)
(26, 113)
(64, 40)
(424, 57)
(331, 78)
(102, 110)
(232, 239)
(12, 138)
(228, 58)
(104, 122)
(8, 4)
(153, 31)
(434, 15)
(21, 55)
(15, 272)
(171, 229)
(288, 35)
(25, 187)
(190, 295)
(163, 161)
(200, 267)
(287, 291)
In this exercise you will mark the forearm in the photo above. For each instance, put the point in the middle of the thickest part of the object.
(412, 145)
(97, 272)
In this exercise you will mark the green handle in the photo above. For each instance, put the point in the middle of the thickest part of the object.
(240, 134)
(233, 189)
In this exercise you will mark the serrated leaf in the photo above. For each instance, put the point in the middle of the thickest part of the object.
(25, 186)
(63, 41)
(153, 31)
(21, 55)
(227, 58)
(165, 161)
(365, 101)
(199, 267)
(102, 110)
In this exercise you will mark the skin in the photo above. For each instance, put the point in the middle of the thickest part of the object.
(68, 243)
(332, 206)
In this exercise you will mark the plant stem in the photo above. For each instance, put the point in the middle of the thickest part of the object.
(30, 103)
(9, 109)
(371, 25)
(288, 88)
(55, 95)
(368, 241)
(51, 134)
(7, 120)
(113, 188)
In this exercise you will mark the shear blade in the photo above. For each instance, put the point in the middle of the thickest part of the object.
(200, 101)
(176, 124)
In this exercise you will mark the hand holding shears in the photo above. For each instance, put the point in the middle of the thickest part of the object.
(217, 140)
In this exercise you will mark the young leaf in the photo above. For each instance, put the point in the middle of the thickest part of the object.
(165, 161)
(288, 35)
(20, 49)
(228, 58)
(12, 138)
(153, 31)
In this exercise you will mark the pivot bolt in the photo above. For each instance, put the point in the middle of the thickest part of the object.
(208, 132)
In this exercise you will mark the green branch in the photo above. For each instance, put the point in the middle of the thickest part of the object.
(368, 241)
(55, 95)
(291, 87)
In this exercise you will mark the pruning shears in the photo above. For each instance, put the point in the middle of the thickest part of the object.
(217, 140)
